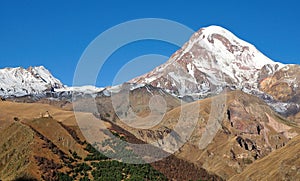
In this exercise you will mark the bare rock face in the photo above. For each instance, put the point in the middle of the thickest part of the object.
(282, 164)
(283, 86)
(249, 131)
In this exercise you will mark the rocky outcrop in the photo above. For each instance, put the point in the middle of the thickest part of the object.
(282, 164)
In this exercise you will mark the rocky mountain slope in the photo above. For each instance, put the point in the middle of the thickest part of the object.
(283, 86)
(244, 130)
(282, 164)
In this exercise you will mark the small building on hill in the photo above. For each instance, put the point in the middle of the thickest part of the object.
(46, 115)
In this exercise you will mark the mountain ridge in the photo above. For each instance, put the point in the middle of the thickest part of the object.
(213, 60)
(33, 80)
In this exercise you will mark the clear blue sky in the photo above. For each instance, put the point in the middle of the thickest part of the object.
(55, 33)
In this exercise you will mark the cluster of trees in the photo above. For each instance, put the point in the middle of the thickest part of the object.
(94, 154)
(97, 166)
(114, 170)
(48, 167)
(75, 155)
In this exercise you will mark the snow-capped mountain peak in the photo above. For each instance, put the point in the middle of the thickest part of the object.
(212, 59)
(19, 81)
(226, 45)
(44, 74)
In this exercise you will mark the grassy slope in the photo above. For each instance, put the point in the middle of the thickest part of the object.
(15, 150)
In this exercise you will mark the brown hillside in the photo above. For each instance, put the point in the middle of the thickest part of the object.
(39, 147)
(246, 130)
(282, 164)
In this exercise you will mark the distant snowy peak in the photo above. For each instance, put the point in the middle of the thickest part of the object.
(212, 59)
(19, 81)
(42, 73)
